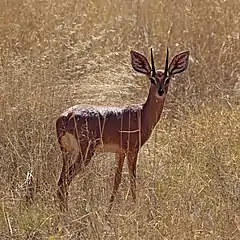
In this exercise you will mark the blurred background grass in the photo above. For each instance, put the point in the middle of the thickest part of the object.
(54, 54)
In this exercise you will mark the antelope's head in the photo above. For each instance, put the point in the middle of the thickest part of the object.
(160, 79)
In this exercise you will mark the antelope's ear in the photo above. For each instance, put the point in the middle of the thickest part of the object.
(179, 63)
(140, 63)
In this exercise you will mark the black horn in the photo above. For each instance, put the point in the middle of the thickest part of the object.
(166, 65)
(152, 62)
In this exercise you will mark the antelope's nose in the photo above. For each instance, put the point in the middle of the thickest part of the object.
(160, 91)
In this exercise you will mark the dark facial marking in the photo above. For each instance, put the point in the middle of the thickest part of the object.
(160, 91)
(153, 80)
(167, 81)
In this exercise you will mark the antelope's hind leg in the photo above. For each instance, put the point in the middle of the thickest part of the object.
(70, 153)
(84, 157)
(62, 191)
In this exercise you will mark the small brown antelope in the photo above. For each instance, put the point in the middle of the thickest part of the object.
(123, 131)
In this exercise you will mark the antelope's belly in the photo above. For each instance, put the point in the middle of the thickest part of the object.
(114, 148)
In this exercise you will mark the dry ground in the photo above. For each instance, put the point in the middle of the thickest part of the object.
(56, 53)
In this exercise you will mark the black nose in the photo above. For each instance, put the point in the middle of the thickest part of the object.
(160, 91)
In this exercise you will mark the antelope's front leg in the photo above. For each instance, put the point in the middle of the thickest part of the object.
(132, 163)
(118, 175)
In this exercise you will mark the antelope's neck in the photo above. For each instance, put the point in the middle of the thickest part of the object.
(151, 113)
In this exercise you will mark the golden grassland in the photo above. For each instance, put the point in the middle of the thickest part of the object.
(55, 54)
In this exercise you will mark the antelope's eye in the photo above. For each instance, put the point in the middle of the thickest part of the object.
(167, 81)
(153, 81)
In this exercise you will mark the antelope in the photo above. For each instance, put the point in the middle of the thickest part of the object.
(120, 130)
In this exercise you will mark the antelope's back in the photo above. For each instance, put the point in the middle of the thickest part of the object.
(105, 125)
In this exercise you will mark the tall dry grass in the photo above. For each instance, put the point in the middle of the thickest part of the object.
(58, 53)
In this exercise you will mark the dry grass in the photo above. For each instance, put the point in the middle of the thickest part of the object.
(58, 53)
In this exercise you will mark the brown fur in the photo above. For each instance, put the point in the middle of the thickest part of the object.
(81, 130)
